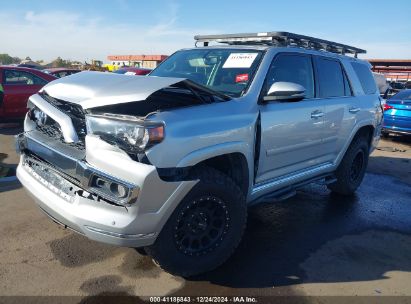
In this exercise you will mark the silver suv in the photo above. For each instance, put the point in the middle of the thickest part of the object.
(168, 163)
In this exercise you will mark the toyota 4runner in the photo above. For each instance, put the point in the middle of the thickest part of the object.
(168, 163)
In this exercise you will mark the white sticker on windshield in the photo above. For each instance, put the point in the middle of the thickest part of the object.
(240, 60)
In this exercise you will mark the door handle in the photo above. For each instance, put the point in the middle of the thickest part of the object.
(354, 110)
(317, 114)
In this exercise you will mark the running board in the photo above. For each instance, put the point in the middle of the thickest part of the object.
(290, 191)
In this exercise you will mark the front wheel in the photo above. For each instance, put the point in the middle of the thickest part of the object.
(351, 170)
(205, 228)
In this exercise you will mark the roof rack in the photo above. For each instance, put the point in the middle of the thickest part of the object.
(281, 39)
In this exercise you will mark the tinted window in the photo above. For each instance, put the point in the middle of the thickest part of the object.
(293, 68)
(330, 78)
(365, 76)
(22, 78)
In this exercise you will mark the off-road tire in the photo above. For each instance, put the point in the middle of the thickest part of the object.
(349, 175)
(214, 191)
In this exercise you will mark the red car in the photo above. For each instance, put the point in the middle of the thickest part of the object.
(132, 71)
(61, 72)
(19, 84)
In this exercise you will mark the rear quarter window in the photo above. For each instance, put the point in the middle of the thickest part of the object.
(365, 76)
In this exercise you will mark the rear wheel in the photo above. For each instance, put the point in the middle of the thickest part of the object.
(205, 228)
(351, 170)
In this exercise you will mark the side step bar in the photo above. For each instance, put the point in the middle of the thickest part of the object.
(290, 191)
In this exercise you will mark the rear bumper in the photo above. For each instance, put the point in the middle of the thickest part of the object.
(397, 130)
(397, 124)
(135, 225)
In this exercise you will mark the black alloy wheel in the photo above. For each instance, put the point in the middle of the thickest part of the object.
(201, 226)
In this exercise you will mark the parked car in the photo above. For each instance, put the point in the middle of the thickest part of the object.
(397, 114)
(132, 71)
(396, 85)
(30, 66)
(19, 84)
(61, 72)
(169, 163)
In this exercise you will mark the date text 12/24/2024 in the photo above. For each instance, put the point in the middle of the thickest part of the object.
(207, 299)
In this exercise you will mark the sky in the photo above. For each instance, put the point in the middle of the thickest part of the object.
(93, 29)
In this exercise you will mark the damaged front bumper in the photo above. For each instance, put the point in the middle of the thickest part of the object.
(74, 190)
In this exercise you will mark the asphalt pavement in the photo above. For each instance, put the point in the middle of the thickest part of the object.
(314, 244)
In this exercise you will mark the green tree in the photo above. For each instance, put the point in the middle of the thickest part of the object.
(7, 59)
(58, 63)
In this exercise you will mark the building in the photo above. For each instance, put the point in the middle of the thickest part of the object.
(141, 61)
(393, 69)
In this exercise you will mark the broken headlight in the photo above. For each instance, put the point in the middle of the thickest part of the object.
(128, 132)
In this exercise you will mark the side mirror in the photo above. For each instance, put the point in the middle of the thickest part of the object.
(285, 91)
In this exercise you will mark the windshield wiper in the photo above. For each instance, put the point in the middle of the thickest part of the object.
(204, 89)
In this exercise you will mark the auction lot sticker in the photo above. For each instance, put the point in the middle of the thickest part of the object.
(240, 60)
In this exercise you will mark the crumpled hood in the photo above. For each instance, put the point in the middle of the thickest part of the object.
(96, 89)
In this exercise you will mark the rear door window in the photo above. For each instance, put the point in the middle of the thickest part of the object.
(365, 76)
(331, 80)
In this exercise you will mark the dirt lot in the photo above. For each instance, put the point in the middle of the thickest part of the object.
(314, 244)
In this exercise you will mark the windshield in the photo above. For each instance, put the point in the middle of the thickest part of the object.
(228, 71)
(397, 85)
(120, 71)
(406, 94)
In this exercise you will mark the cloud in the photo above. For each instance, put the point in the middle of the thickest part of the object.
(73, 35)
(49, 34)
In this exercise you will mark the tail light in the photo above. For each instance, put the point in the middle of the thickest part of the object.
(387, 107)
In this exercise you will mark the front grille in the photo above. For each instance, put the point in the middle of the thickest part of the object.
(51, 128)
(74, 111)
